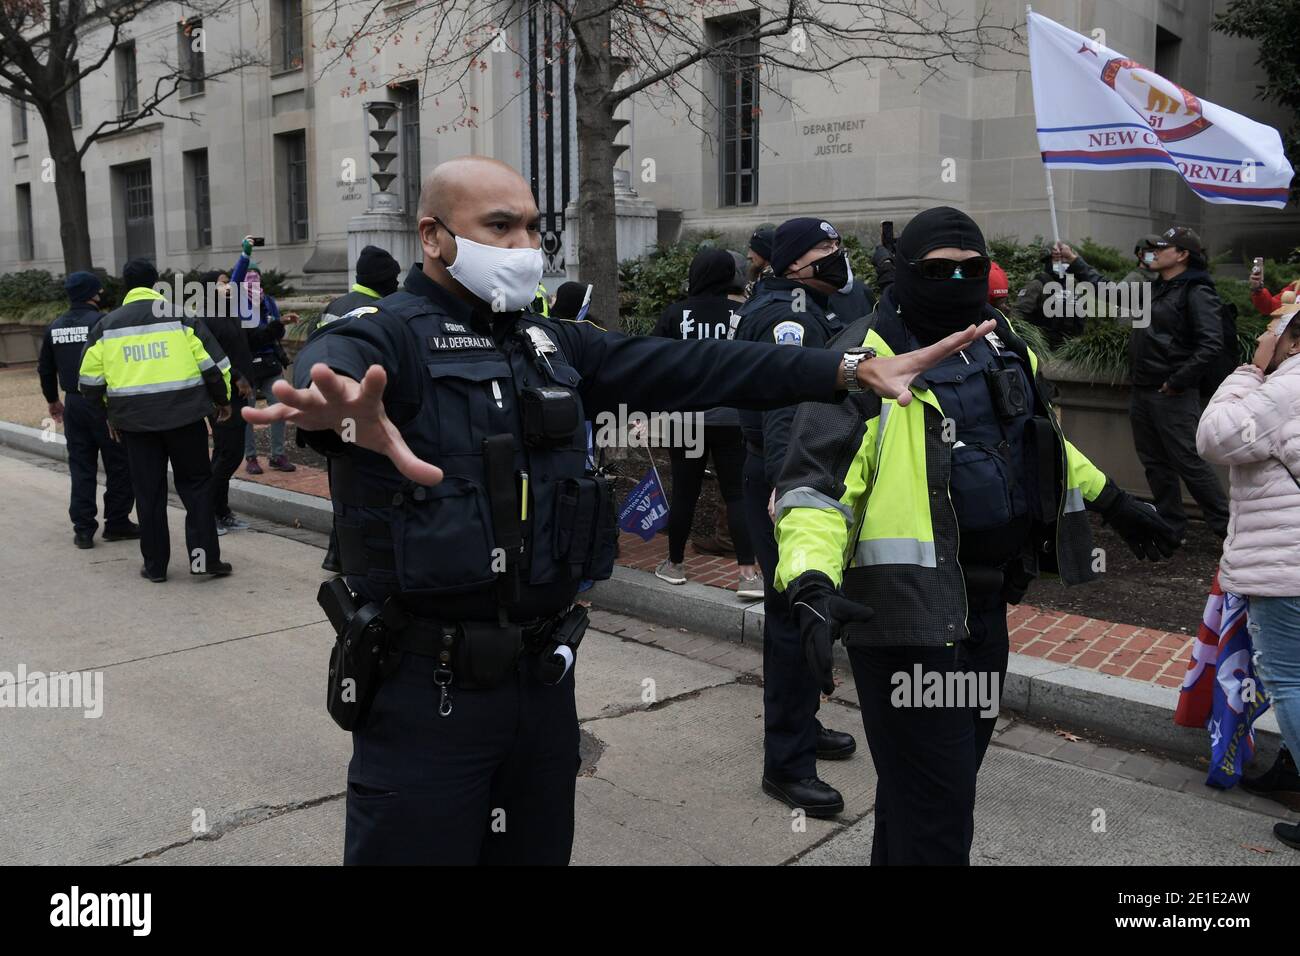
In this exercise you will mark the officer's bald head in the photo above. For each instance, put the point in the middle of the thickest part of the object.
(481, 199)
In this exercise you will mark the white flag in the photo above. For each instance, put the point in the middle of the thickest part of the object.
(1098, 109)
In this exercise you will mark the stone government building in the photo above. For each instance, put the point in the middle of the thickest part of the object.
(274, 144)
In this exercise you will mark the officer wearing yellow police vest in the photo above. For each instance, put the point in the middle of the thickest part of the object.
(160, 374)
(906, 526)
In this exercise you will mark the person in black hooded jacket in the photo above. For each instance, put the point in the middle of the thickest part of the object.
(706, 313)
(1168, 358)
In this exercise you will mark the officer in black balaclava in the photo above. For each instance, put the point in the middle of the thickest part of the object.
(955, 501)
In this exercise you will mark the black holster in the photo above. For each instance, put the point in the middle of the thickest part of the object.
(358, 657)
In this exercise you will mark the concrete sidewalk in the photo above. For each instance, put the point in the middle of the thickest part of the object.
(1086, 675)
(214, 746)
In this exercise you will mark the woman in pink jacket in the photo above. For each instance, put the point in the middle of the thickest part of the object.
(1253, 425)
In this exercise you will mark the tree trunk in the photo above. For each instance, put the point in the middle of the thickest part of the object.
(69, 185)
(595, 74)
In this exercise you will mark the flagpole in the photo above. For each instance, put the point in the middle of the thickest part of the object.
(1047, 170)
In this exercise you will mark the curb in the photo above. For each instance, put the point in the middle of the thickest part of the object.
(1077, 699)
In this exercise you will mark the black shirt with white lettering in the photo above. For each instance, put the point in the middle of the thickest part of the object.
(59, 364)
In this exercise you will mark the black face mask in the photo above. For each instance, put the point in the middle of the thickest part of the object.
(833, 269)
(934, 308)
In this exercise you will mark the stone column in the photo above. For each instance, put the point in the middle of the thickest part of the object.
(384, 223)
(636, 224)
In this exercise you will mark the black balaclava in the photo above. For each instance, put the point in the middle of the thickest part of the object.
(712, 273)
(934, 308)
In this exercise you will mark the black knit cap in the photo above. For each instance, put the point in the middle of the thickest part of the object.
(940, 228)
(794, 237)
(761, 241)
(378, 270)
(82, 286)
(139, 273)
(568, 300)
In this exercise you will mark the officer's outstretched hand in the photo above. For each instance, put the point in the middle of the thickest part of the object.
(1137, 522)
(821, 613)
(353, 409)
(891, 377)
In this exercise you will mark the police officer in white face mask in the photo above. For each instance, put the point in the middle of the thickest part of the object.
(467, 519)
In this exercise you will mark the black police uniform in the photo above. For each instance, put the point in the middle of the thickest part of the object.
(465, 755)
(228, 436)
(994, 476)
(784, 312)
(85, 426)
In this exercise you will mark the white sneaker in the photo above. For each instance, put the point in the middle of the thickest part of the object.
(670, 572)
(750, 585)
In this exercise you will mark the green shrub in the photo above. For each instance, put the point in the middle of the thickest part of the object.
(1100, 353)
(30, 287)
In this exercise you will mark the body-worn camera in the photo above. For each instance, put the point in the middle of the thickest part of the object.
(550, 416)
(1007, 387)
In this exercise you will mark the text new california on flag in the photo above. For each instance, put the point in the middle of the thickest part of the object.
(1098, 109)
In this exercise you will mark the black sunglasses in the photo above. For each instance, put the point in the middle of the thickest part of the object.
(974, 268)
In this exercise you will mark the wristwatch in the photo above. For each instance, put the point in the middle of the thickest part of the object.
(849, 370)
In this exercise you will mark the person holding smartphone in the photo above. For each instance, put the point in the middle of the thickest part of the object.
(1265, 301)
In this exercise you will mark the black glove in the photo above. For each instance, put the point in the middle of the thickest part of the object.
(821, 613)
(1137, 522)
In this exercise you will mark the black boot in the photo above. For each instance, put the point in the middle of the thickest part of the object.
(1280, 782)
(834, 745)
(814, 797)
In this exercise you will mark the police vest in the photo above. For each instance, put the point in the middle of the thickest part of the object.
(443, 542)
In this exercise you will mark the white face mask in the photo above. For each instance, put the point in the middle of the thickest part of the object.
(1149, 259)
(506, 279)
(1061, 268)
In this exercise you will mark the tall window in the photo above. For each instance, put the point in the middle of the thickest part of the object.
(409, 98)
(74, 96)
(26, 243)
(196, 175)
(191, 42)
(287, 32)
(128, 101)
(292, 148)
(737, 72)
(19, 118)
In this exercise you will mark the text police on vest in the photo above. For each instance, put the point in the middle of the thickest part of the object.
(141, 353)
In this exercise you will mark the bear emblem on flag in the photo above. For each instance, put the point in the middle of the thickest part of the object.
(1172, 112)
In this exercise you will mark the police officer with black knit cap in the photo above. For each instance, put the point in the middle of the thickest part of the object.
(907, 527)
(456, 611)
(377, 273)
(789, 307)
(759, 255)
(85, 426)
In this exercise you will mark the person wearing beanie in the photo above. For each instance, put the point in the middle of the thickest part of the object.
(161, 373)
(571, 302)
(85, 428)
(264, 329)
(789, 307)
(759, 254)
(905, 530)
(228, 435)
(707, 313)
(377, 273)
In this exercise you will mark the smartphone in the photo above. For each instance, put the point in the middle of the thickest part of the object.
(887, 234)
(257, 240)
(1257, 267)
